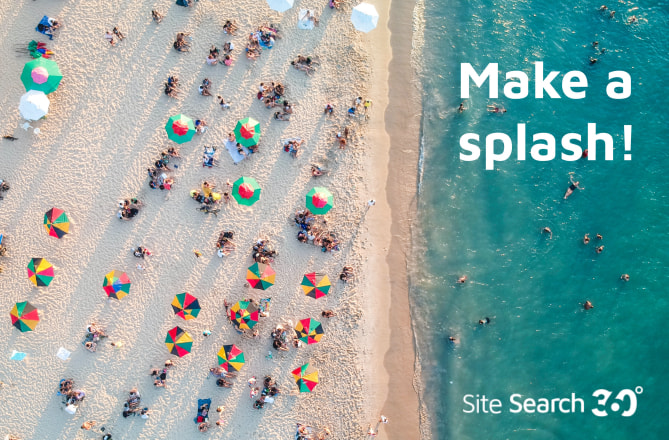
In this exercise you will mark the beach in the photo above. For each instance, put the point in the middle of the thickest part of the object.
(106, 126)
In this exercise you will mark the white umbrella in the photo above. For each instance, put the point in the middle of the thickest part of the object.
(34, 105)
(280, 5)
(364, 17)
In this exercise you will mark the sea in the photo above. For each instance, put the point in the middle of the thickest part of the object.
(603, 372)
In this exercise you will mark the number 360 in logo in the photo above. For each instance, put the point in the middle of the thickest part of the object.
(623, 396)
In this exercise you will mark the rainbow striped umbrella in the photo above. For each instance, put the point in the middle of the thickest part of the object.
(116, 284)
(231, 358)
(306, 378)
(247, 132)
(40, 272)
(180, 128)
(260, 276)
(319, 200)
(179, 342)
(24, 316)
(309, 331)
(316, 285)
(56, 222)
(244, 314)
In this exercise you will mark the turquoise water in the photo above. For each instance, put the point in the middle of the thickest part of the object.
(487, 225)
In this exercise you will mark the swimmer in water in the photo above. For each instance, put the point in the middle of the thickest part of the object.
(625, 277)
(462, 279)
(574, 186)
(495, 109)
(547, 230)
(599, 236)
(462, 107)
(484, 321)
(600, 249)
(588, 305)
(586, 239)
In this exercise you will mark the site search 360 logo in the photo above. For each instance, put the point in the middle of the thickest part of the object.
(624, 400)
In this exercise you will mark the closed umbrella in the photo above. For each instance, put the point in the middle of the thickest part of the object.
(364, 17)
(34, 105)
(41, 74)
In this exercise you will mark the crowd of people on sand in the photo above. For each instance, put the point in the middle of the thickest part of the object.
(266, 395)
(172, 86)
(4, 187)
(160, 374)
(315, 231)
(263, 252)
(224, 244)
(306, 432)
(72, 397)
(132, 407)
(263, 38)
(225, 58)
(128, 208)
(94, 334)
(158, 178)
(209, 199)
(182, 42)
(272, 94)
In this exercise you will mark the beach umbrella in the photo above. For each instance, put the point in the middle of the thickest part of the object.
(309, 331)
(116, 284)
(179, 342)
(364, 17)
(34, 105)
(244, 314)
(319, 200)
(40, 272)
(306, 378)
(280, 5)
(186, 306)
(231, 358)
(316, 285)
(247, 132)
(260, 276)
(180, 128)
(246, 191)
(41, 74)
(24, 316)
(56, 222)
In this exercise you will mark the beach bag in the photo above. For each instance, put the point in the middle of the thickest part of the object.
(182, 3)
(71, 409)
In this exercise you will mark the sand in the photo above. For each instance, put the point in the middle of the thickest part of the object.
(105, 127)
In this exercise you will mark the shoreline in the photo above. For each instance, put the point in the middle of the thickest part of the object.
(396, 177)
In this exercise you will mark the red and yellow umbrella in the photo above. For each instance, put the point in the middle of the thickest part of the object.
(260, 276)
(56, 222)
(306, 378)
(24, 316)
(309, 331)
(231, 358)
(244, 314)
(316, 285)
(40, 272)
(179, 342)
(186, 306)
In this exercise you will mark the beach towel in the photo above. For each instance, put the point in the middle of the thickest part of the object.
(43, 27)
(200, 402)
(231, 146)
(304, 22)
(17, 356)
(63, 354)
